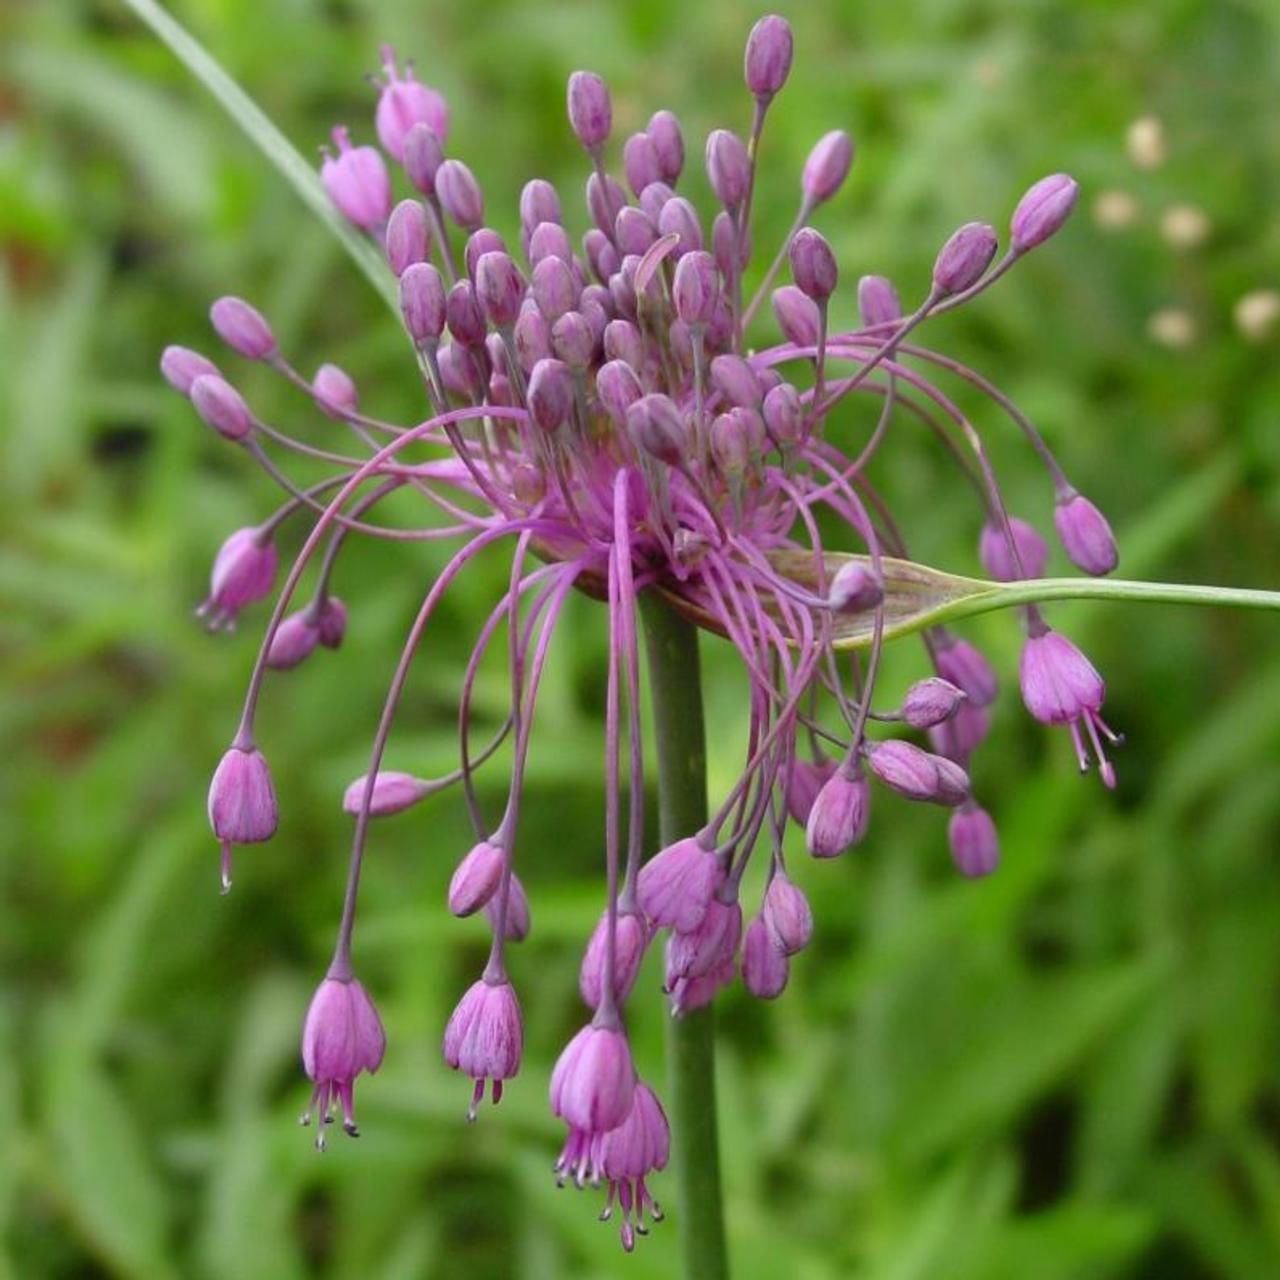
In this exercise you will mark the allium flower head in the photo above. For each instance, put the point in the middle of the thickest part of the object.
(617, 400)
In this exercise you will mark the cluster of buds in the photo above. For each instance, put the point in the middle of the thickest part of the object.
(595, 405)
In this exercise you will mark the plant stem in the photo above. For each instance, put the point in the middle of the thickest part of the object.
(671, 647)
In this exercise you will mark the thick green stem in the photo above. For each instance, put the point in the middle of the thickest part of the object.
(671, 645)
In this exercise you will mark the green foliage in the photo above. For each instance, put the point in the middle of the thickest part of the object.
(1070, 1070)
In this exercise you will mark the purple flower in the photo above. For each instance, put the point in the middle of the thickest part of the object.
(765, 968)
(632, 940)
(593, 1083)
(393, 792)
(182, 366)
(999, 562)
(1045, 207)
(243, 328)
(484, 1038)
(342, 1037)
(476, 878)
(357, 182)
(675, 886)
(244, 572)
(404, 103)
(1085, 534)
(964, 257)
(787, 915)
(827, 166)
(972, 837)
(1061, 686)
(242, 803)
(838, 817)
(625, 1156)
(768, 57)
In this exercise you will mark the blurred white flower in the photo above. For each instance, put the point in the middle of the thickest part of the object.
(1145, 141)
(1257, 312)
(1184, 226)
(1172, 327)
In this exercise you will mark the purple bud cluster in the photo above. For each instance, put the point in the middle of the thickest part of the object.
(593, 400)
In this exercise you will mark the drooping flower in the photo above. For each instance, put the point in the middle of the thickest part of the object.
(342, 1037)
(484, 1037)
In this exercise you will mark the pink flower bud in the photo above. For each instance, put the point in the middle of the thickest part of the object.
(931, 702)
(423, 156)
(993, 551)
(695, 288)
(593, 1082)
(403, 104)
(406, 241)
(827, 166)
(618, 388)
(784, 414)
(295, 639)
(1085, 534)
(476, 878)
(335, 392)
(459, 194)
(590, 111)
(553, 288)
(803, 784)
(500, 289)
(735, 439)
(459, 371)
(973, 840)
(601, 254)
(422, 302)
(675, 886)
(622, 342)
(242, 803)
(916, 774)
(532, 336)
(787, 915)
(680, 217)
(855, 588)
(632, 230)
(958, 661)
(768, 57)
(518, 921)
(640, 162)
(631, 941)
(573, 340)
(243, 328)
(484, 1038)
(696, 993)
(481, 241)
(656, 426)
(797, 315)
(1059, 684)
(653, 198)
(707, 947)
(463, 315)
(604, 202)
(964, 257)
(393, 792)
(735, 380)
(221, 406)
(1045, 207)
(878, 302)
(728, 243)
(668, 142)
(539, 203)
(550, 394)
(551, 240)
(244, 572)
(181, 367)
(765, 968)
(357, 182)
(728, 168)
(813, 265)
(341, 1037)
(838, 817)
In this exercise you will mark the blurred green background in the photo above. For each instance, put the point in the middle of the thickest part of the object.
(1069, 1070)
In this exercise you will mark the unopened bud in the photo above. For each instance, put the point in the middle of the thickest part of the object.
(243, 328)
(964, 257)
(422, 302)
(813, 265)
(423, 156)
(728, 167)
(998, 560)
(827, 166)
(334, 391)
(855, 588)
(768, 57)
(668, 143)
(221, 406)
(1085, 534)
(877, 302)
(590, 111)
(459, 194)
(657, 427)
(406, 236)
(1045, 207)
(550, 394)
(930, 702)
